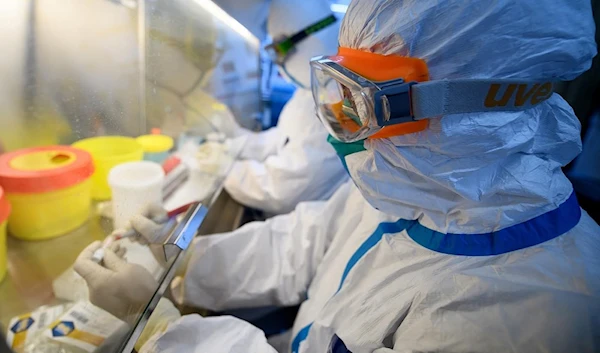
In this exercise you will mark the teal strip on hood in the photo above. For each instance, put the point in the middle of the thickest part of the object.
(344, 149)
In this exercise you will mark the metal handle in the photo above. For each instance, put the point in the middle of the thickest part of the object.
(183, 234)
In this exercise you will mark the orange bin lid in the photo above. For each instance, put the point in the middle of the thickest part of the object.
(44, 169)
(4, 207)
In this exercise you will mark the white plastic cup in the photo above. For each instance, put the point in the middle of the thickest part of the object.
(135, 186)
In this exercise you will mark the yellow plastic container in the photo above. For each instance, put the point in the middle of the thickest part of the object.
(108, 152)
(50, 214)
(4, 213)
(49, 189)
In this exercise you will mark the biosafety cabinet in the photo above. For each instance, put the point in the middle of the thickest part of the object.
(72, 70)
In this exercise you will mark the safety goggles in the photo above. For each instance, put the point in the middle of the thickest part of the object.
(353, 107)
(283, 47)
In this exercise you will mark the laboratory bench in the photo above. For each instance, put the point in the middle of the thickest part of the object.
(35, 266)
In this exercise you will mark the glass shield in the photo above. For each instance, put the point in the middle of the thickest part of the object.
(114, 70)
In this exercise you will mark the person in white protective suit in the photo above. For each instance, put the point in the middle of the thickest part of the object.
(291, 162)
(460, 234)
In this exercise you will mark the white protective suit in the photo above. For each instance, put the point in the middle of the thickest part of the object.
(479, 244)
(291, 162)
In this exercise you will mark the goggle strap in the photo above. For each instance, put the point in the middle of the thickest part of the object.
(443, 97)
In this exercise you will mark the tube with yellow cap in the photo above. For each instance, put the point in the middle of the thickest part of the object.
(49, 189)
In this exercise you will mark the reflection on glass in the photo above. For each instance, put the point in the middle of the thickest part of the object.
(111, 67)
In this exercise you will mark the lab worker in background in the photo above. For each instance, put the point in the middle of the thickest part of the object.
(291, 162)
(460, 234)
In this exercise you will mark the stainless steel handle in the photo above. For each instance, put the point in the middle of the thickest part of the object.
(182, 235)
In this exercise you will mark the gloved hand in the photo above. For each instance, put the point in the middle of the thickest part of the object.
(146, 226)
(151, 233)
(121, 288)
(155, 235)
(116, 248)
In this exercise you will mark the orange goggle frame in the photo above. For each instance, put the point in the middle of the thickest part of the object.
(378, 69)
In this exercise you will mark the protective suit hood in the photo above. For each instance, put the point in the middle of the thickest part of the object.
(287, 17)
(469, 173)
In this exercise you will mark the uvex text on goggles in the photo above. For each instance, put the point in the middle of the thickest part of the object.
(353, 107)
(281, 48)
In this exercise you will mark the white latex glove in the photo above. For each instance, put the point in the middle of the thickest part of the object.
(116, 286)
(72, 287)
(119, 250)
(151, 233)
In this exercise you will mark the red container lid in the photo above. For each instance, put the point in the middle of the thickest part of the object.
(4, 207)
(44, 169)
